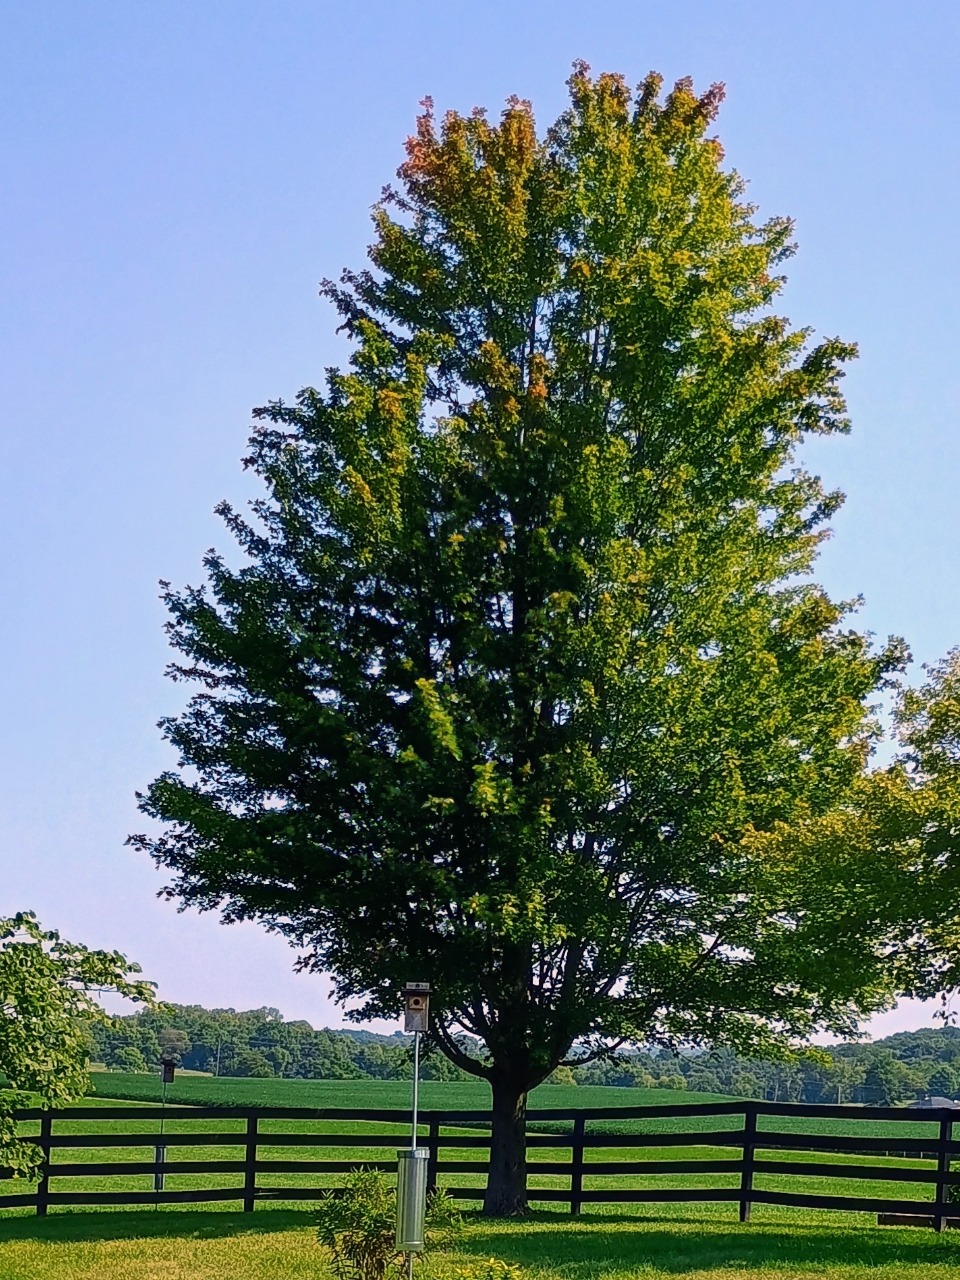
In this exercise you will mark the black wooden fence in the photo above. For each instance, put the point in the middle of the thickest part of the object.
(840, 1142)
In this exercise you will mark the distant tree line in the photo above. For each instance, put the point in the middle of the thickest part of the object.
(901, 1068)
(260, 1043)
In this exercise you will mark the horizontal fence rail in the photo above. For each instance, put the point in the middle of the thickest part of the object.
(159, 1155)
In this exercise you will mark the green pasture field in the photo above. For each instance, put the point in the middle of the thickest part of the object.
(472, 1095)
(475, 1095)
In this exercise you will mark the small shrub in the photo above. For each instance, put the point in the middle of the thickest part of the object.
(358, 1227)
(443, 1220)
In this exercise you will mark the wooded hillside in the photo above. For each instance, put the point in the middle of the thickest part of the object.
(261, 1043)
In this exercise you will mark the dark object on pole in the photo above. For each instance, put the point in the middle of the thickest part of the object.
(167, 1072)
(416, 1011)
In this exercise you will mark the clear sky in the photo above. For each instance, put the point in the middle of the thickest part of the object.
(177, 179)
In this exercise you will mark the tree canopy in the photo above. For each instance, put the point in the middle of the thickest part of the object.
(257, 1042)
(48, 990)
(523, 686)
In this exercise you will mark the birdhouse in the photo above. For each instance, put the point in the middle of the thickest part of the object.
(168, 1069)
(416, 1006)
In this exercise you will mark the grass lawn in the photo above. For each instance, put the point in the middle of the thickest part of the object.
(695, 1243)
(700, 1241)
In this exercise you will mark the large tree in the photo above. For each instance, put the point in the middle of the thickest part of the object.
(523, 661)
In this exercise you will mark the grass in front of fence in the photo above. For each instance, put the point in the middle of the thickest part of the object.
(656, 1242)
(696, 1243)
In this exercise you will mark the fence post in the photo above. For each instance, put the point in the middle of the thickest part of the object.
(746, 1170)
(43, 1186)
(250, 1164)
(576, 1168)
(433, 1159)
(941, 1208)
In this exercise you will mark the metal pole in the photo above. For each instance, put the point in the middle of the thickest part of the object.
(413, 1129)
(413, 1174)
(416, 1088)
(158, 1177)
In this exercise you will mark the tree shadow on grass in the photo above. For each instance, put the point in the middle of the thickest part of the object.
(588, 1251)
(150, 1224)
(591, 1248)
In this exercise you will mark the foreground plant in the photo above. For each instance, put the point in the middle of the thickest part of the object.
(48, 996)
(358, 1227)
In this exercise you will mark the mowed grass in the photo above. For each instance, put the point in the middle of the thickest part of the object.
(702, 1241)
(275, 1244)
(468, 1095)
(474, 1095)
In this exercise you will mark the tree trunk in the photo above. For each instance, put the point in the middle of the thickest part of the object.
(507, 1180)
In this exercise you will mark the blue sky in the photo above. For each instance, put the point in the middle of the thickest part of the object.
(179, 176)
